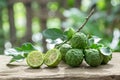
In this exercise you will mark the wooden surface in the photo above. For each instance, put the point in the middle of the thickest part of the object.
(20, 71)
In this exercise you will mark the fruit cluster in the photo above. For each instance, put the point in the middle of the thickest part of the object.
(73, 52)
(75, 48)
(79, 48)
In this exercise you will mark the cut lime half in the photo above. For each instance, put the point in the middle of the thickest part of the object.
(35, 59)
(52, 58)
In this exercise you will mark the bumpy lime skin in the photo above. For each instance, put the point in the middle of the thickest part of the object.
(93, 57)
(63, 49)
(101, 57)
(79, 41)
(106, 59)
(74, 57)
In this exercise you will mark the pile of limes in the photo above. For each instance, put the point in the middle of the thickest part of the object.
(72, 53)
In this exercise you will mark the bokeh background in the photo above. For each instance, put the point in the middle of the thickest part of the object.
(24, 20)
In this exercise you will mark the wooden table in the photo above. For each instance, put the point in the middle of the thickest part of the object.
(20, 71)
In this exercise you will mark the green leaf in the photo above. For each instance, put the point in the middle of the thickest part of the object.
(23, 52)
(94, 40)
(96, 46)
(69, 32)
(90, 41)
(16, 58)
(105, 51)
(26, 48)
(53, 33)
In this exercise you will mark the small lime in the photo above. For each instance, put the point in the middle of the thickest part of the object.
(74, 57)
(79, 41)
(93, 57)
(106, 59)
(63, 49)
(52, 58)
(35, 59)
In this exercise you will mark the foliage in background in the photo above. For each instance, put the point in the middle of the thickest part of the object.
(103, 23)
(2, 38)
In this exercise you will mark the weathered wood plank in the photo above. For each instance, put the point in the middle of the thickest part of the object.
(20, 71)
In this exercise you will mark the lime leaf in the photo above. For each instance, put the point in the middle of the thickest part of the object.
(53, 33)
(91, 41)
(16, 58)
(26, 48)
(68, 33)
(105, 51)
(96, 46)
(94, 40)
(21, 52)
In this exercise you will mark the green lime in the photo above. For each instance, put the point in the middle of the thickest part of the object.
(79, 41)
(35, 59)
(74, 57)
(63, 50)
(52, 58)
(93, 57)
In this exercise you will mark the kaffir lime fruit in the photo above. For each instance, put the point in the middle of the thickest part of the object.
(52, 58)
(35, 59)
(93, 57)
(79, 40)
(106, 59)
(106, 53)
(63, 49)
(74, 57)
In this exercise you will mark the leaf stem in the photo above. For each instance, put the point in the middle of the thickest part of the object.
(87, 18)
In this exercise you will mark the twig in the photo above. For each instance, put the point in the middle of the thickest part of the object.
(87, 18)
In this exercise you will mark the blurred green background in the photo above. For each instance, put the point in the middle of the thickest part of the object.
(23, 21)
